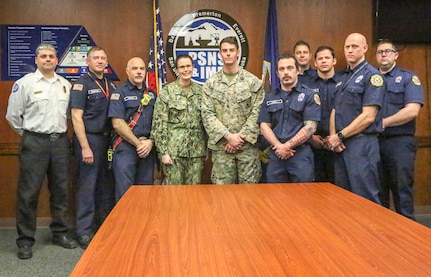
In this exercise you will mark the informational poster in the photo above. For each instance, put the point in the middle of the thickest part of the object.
(19, 42)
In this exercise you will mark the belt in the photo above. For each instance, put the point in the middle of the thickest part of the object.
(51, 137)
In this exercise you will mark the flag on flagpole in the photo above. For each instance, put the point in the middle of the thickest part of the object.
(269, 69)
(156, 72)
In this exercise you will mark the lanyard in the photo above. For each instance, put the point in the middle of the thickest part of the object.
(106, 90)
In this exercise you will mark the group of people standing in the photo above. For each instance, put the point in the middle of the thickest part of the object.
(354, 128)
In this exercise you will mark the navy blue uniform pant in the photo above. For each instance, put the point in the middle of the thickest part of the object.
(297, 169)
(397, 176)
(129, 169)
(41, 156)
(95, 194)
(323, 166)
(357, 167)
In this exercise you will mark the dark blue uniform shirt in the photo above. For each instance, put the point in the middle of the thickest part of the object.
(361, 86)
(403, 87)
(125, 102)
(88, 94)
(307, 76)
(326, 90)
(287, 111)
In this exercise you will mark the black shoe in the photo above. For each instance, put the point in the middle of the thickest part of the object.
(84, 241)
(25, 252)
(64, 241)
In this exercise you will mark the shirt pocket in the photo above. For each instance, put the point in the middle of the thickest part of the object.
(396, 94)
(297, 110)
(41, 101)
(354, 96)
(96, 101)
(177, 111)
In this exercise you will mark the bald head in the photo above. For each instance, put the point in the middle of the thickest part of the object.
(136, 71)
(355, 48)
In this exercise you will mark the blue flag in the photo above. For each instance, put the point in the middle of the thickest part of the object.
(269, 69)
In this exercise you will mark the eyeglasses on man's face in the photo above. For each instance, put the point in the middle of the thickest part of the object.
(386, 51)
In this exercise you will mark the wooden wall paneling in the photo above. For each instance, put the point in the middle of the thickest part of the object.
(123, 28)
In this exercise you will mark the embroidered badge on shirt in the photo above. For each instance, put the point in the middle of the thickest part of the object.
(416, 80)
(317, 99)
(398, 79)
(301, 97)
(78, 87)
(377, 80)
(115, 96)
(15, 87)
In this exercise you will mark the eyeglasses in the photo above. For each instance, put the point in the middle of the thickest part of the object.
(387, 51)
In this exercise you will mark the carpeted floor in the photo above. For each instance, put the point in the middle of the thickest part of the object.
(54, 261)
(48, 260)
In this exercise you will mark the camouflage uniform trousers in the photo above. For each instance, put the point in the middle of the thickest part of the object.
(184, 171)
(242, 167)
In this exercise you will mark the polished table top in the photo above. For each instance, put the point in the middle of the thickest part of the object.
(314, 229)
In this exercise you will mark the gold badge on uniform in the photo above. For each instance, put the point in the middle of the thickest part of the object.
(64, 89)
(145, 100)
(317, 99)
(377, 80)
(416, 80)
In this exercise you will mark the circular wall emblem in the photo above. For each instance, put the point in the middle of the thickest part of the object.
(199, 34)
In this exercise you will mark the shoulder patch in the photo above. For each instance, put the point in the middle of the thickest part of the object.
(15, 87)
(115, 96)
(416, 80)
(78, 87)
(317, 99)
(377, 80)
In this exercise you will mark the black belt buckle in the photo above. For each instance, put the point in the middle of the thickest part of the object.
(54, 136)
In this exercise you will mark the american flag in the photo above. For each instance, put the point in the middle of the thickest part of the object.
(156, 72)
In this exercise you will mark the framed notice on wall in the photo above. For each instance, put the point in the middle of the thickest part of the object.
(19, 42)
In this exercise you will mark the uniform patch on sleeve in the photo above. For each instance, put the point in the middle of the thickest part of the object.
(115, 96)
(78, 87)
(317, 99)
(416, 80)
(15, 87)
(377, 80)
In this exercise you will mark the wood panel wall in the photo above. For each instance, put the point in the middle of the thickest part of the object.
(123, 29)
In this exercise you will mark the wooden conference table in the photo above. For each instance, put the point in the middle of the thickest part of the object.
(314, 229)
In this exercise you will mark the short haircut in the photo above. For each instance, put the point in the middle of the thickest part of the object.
(183, 56)
(230, 40)
(324, 47)
(45, 46)
(385, 40)
(287, 56)
(94, 49)
(301, 42)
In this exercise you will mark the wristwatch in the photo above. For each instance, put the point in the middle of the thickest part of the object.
(340, 135)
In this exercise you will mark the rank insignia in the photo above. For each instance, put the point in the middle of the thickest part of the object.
(64, 89)
(416, 80)
(316, 99)
(377, 80)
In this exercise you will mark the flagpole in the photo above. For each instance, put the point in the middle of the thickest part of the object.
(156, 65)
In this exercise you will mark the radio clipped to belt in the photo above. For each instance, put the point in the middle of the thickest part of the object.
(146, 98)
